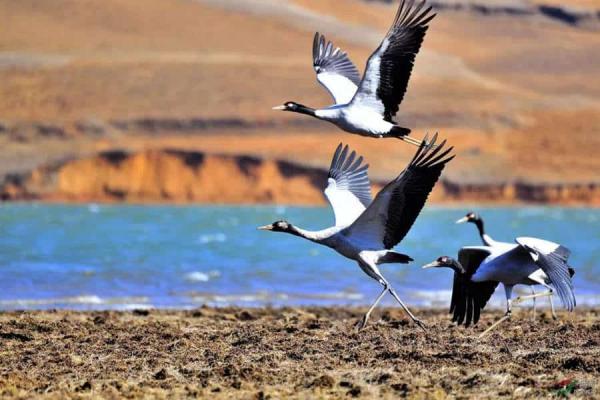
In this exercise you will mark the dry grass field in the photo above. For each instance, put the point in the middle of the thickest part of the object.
(295, 353)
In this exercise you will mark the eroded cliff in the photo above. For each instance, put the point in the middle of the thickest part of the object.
(189, 176)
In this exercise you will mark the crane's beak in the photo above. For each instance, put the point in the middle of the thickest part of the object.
(281, 108)
(431, 265)
(265, 228)
(463, 219)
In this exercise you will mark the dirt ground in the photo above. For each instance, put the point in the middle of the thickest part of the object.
(300, 353)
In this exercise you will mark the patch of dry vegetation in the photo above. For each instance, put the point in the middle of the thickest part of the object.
(298, 353)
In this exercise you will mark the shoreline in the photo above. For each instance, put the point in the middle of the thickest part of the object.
(294, 352)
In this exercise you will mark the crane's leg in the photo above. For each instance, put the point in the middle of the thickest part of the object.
(410, 140)
(508, 291)
(549, 293)
(554, 317)
(370, 268)
(536, 278)
(415, 319)
(363, 322)
(414, 141)
(521, 299)
(533, 293)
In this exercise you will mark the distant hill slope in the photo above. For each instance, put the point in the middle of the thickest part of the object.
(519, 97)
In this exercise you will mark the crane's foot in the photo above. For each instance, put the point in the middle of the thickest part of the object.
(420, 324)
(501, 320)
(360, 325)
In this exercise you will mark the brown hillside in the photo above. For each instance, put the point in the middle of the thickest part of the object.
(518, 96)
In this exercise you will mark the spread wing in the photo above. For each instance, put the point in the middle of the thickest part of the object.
(348, 189)
(388, 69)
(334, 70)
(469, 298)
(390, 216)
(552, 259)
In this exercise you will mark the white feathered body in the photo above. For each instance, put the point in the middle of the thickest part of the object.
(357, 119)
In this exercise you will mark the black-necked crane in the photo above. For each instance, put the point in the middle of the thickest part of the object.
(487, 240)
(479, 270)
(366, 231)
(367, 107)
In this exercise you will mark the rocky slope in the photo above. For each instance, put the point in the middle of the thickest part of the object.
(169, 175)
(191, 176)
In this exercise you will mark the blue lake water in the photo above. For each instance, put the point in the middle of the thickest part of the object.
(132, 256)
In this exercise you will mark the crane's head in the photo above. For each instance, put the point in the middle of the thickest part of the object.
(277, 226)
(288, 106)
(445, 261)
(470, 217)
(295, 107)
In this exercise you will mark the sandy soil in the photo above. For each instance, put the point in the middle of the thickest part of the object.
(310, 352)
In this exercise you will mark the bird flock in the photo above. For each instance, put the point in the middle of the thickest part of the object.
(366, 230)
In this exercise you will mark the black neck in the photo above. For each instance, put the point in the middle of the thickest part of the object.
(479, 223)
(304, 110)
(292, 230)
(458, 268)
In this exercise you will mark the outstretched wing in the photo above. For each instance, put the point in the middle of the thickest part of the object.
(469, 298)
(552, 259)
(334, 70)
(390, 216)
(389, 67)
(348, 189)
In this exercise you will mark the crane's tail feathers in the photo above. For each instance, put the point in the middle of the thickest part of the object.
(399, 132)
(392, 257)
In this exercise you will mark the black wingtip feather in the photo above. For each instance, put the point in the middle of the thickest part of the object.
(403, 41)
(410, 190)
(348, 162)
(335, 157)
(409, 15)
(426, 145)
(357, 164)
(426, 155)
(437, 158)
(410, 20)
